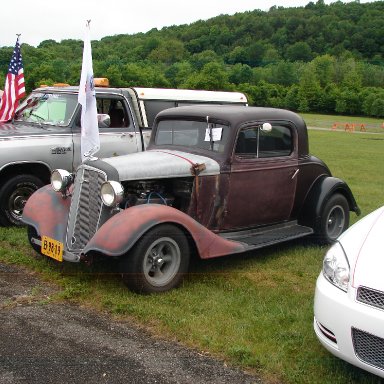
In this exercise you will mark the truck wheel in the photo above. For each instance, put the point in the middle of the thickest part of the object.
(13, 196)
(158, 261)
(334, 219)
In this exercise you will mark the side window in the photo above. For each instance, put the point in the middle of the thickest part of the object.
(246, 145)
(111, 113)
(277, 142)
(153, 107)
(116, 111)
(258, 143)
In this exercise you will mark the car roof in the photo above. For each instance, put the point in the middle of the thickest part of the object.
(189, 95)
(235, 115)
(75, 89)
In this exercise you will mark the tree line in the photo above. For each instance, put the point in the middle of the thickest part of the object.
(318, 58)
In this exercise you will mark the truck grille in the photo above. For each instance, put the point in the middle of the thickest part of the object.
(86, 206)
(371, 297)
(368, 348)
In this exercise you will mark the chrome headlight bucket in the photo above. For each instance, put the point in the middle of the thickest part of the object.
(112, 193)
(336, 267)
(61, 180)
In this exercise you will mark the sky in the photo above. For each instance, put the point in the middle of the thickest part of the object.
(41, 20)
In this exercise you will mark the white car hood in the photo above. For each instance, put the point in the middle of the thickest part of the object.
(161, 163)
(367, 248)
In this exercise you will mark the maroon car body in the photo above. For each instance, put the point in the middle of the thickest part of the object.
(214, 181)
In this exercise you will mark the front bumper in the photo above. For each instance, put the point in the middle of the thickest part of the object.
(67, 256)
(350, 330)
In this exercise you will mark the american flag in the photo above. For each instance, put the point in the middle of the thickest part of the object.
(14, 88)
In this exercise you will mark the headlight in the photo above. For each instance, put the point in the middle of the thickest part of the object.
(112, 193)
(336, 267)
(61, 180)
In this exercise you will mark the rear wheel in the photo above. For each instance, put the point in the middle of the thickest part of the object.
(158, 262)
(13, 196)
(334, 219)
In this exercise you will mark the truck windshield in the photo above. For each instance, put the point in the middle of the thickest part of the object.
(191, 133)
(47, 108)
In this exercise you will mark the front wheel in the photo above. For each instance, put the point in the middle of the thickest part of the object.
(13, 196)
(158, 261)
(334, 219)
(32, 234)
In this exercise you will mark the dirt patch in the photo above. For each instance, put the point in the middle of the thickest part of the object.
(59, 343)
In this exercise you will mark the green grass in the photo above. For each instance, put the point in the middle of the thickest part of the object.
(254, 310)
(327, 121)
(358, 158)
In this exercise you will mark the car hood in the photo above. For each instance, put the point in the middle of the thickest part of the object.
(363, 245)
(9, 130)
(154, 164)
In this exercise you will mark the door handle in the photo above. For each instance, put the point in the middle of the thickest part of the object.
(295, 174)
(130, 135)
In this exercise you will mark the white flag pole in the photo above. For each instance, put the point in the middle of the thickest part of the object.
(90, 141)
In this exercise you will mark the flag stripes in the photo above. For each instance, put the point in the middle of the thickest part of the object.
(14, 88)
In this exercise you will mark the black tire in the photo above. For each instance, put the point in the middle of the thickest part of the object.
(31, 233)
(158, 261)
(334, 219)
(13, 196)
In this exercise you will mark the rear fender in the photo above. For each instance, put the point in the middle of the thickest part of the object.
(120, 233)
(320, 193)
(47, 211)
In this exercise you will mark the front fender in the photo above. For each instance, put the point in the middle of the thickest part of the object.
(120, 233)
(318, 196)
(47, 211)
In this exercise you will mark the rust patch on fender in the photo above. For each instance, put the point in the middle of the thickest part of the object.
(47, 212)
(117, 236)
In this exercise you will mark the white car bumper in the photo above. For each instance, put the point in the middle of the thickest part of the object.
(349, 329)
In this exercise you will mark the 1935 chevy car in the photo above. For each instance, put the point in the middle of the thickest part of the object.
(214, 181)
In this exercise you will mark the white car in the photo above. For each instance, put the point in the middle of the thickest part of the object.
(349, 298)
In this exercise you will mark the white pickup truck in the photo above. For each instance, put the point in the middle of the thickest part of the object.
(45, 133)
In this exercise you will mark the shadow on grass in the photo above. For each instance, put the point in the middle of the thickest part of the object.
(259, 256)
(104, 271)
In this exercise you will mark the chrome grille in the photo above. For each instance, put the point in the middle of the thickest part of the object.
(368, 348)
(86, 205)
(371, 297)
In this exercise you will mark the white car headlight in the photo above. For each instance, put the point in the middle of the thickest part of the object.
(61, 180)
(336, 267)
(112, 193)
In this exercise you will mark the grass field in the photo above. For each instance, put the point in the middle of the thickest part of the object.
(339, 122)
(254, 310)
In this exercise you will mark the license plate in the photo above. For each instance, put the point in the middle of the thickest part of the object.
(52, 248)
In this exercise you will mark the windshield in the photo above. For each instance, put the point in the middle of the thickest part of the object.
(47, 108)
(191, 133)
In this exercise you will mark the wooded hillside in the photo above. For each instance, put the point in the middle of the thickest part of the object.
(317, 58)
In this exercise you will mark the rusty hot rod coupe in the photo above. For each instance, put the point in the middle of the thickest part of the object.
(214, 181)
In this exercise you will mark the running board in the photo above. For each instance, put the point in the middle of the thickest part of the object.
(262, 237)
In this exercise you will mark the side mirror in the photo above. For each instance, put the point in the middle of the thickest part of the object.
(104, 120)
(266, 127)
